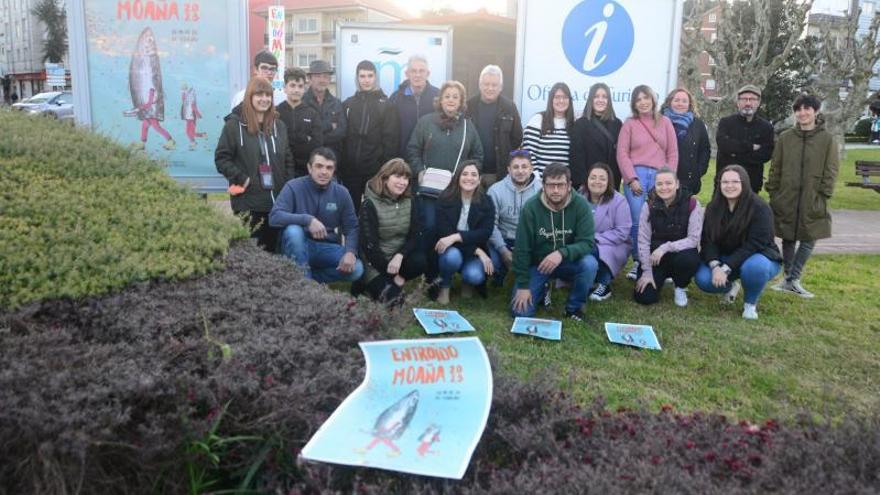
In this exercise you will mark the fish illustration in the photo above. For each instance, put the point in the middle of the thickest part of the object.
(428, 438)
(393, 422)
(145, 79)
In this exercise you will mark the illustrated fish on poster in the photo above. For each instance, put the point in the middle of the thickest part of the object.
(145, 84)
(393, 422)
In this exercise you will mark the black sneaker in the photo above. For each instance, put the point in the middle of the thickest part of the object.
(576, 316)
(390, 294)
(434, 289)
(601, 293)
(482, 290)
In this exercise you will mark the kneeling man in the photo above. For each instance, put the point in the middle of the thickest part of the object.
(319, 227)
(554, 239)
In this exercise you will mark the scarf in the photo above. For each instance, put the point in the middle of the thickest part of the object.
(681, 121)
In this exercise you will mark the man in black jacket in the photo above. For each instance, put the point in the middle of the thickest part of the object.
(372, 132)
(744, 138)
(498, 123)
(329, 106)
(304, 133)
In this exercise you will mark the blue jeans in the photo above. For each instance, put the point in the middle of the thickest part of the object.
(580, 274)
(646, 177)
(452, 261)
(318, 259)
(754, 273)
(498, 264)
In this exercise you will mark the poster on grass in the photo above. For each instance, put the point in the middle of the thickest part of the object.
(421, 409)
(632, 335)
(544, 329)
(437, 321)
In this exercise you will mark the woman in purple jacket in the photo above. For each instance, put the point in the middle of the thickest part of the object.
(613, 222)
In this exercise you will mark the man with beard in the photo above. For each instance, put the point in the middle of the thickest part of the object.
(372, 132)
(744, 138)
(509, 196)
(328, 106)
(554, 239)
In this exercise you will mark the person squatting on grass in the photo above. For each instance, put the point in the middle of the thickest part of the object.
(465, 219)
(389, 232)
(554, 239)
(612, 222)
(509, 196)
(669, 234)
(738, 242)
(252, 153)
(801, 181)
(647, 142)
(316, 215)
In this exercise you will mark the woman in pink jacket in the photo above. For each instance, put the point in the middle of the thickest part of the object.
(647, 142)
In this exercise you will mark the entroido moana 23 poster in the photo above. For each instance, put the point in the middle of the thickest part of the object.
(159, 77)
(421, 409)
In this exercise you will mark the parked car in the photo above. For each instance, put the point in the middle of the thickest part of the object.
(53, 104)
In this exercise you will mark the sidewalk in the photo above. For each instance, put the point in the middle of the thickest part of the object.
(852, 231)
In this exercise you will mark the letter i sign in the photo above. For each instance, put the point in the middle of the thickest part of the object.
(597, 37)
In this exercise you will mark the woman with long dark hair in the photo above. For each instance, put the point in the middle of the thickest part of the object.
(612, 223)
(594, 136)
(669, 234)
(465, 219)
(546, 135)
(253, 155)
(646, 143)
(389, 230)
(692, 137)
(738, 246)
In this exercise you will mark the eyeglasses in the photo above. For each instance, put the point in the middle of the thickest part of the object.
(555, 185)
(520, 152)
(267, 68)
(750, 99)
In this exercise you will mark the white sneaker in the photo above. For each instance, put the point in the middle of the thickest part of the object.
(730, 295)
(633, 272)
(750, 311)
(782, 286)
(681, 297)
(668, 281)
(795, 287)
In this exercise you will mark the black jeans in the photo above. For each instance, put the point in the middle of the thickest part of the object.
(681, 266)
(413, 266)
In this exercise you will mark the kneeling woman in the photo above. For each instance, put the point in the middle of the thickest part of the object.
(738, 242)
(669, 233)
(613, 225)
(389, 232)
(465, 219)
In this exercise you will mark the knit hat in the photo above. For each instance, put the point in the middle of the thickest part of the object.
(749, 88)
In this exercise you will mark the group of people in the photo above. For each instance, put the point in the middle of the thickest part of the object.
(379, 190)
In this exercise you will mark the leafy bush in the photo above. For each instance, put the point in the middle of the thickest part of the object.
(80, 215)
(216, 383)
(862, 127)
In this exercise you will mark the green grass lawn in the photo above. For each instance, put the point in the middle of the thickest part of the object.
(820, 355)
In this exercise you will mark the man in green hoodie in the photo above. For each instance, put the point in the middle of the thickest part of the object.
(554, 238)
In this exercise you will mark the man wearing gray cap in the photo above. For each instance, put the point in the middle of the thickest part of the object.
(330, 108)
(744, 138)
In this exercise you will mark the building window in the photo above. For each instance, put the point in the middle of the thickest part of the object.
(713, 18)
(713, 37)
(307, 25)
(711, 60)
(710, 84)
(304, 59)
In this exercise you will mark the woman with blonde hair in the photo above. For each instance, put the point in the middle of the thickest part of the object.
(692, 136)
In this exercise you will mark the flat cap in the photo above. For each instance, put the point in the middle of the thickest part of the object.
(320, 67)
(749, 88)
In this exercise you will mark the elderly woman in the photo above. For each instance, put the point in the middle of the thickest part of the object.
(801, 181)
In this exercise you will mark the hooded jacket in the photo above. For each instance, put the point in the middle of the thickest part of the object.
(372, 136)
(801, 181)
(238, 156)
(410, 109)
(509, 203)
(542, 230)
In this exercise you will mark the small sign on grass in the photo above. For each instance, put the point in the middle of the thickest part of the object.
(632, 335)
(437, 321)
(545, 329)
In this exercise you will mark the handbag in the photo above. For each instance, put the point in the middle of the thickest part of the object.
(434, 180)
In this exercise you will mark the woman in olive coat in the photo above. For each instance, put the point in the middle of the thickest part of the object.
(801, 181)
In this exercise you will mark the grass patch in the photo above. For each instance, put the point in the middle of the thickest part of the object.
(819, 355)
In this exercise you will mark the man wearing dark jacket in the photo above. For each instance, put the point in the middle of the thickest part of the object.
(372, 133)
(413, 99)
(320, 229)
(304, 133)
(744, 138)
(327, 105)
(498, 123)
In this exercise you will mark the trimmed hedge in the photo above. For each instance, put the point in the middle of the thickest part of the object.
(81, 215)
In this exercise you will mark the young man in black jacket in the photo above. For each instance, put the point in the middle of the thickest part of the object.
(498, 124)
(372, 132)
(303, 122)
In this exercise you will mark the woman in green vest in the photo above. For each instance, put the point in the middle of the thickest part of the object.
(389, 234)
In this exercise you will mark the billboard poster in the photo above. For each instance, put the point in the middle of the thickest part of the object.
(158, 77)
(421, 409)
(275, 26)
(622, 43)
(389, 47)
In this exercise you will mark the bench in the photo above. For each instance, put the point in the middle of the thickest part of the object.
(867, 169)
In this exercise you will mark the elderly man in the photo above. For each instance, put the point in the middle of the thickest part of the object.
(413, 98)
(497, 121)
(744, 138)
(319, 97)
